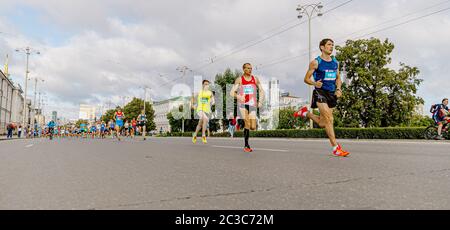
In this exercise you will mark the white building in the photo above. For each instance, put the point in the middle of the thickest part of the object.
(6, 95)
(268, 118)
(289, 101)
(54, 116)
(420, 110)
(87, 112)
(17, 105)
(162, 108)
(40, 119)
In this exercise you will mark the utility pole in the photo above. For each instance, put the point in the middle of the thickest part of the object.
(309, 10)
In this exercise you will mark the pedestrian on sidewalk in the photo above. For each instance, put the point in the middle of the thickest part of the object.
(9, 128)
(28, 132)
(232, 125)
(19, 131)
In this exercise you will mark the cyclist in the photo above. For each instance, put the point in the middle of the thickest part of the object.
(441, 118)
(51, 127)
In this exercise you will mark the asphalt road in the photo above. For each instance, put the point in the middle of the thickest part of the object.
(172, 173)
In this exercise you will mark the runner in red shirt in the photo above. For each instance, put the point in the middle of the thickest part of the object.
(248, 103)
(133, 126)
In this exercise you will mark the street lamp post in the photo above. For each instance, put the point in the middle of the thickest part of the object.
(309, 10)
(183, 70)
(34, 101)
(36, 80)
(145, 122)
(28, 51)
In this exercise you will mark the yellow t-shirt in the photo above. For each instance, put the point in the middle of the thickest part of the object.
(204, 101)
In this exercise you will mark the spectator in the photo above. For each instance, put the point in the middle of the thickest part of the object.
(232, 125)
(19, 131)
(9, 128)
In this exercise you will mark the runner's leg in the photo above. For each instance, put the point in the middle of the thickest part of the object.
(246, 118)
(200, 123)
(326, 120)
(205, 121)
(440, 125)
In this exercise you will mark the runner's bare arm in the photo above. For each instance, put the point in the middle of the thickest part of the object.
(213, 100)
(193, 101)
(236, 85)
(338, 80)
(308, 78)
(338, 83)
(261, 92)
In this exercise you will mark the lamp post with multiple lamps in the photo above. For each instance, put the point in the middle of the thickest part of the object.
(310, 10)
(28, 51)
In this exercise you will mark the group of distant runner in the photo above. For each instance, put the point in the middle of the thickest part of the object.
(117, 127)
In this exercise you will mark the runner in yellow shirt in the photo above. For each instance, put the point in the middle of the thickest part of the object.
(204, 101)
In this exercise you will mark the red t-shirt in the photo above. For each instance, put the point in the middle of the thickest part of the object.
(233, 121)
(248, 89)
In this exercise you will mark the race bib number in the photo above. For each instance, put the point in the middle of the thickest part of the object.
(248, 90)
(330, 75)
(204, 100)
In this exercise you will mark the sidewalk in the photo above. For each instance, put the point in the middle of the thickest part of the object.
(3, 138)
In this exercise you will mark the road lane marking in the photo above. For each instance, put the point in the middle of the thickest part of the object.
(356, 141)
(28, 146)
(233, 147)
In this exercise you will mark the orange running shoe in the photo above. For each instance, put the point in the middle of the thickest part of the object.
(339, 152)
(204, 140)
(248, 150)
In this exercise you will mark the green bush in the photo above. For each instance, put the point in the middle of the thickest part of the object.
(341, 133)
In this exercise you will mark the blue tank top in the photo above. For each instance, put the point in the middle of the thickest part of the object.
(119, 116)
(327, 72)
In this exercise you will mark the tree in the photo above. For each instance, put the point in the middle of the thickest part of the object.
(176, 124)
(420, 121)
(288, 121)
(132, 110)
(374, 95)
(81, 121)
(222, 80)
(189, 124)
(109, 115)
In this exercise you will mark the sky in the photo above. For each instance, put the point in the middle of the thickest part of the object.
(103, 52)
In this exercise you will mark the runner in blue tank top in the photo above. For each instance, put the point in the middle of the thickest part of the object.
(119, 116)
(327, 83)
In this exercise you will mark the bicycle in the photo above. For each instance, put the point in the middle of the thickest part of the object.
(51, 131)
(431, 132)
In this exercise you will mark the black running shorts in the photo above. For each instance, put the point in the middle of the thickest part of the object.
(323, 96)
